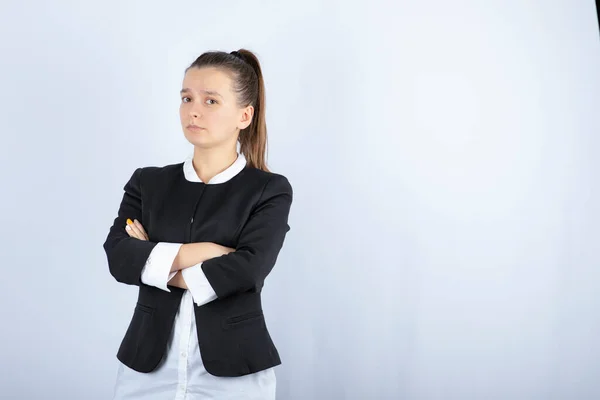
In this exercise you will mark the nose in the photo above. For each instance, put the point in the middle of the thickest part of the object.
(194, 114)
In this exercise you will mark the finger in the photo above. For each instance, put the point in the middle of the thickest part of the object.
(130, 231)
(138, 224)
(137, 232)
(133, 229)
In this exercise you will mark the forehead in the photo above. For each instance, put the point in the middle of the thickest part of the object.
(207, 79)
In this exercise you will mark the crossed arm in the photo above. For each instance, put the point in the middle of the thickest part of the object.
(213, 270)
(189, 254)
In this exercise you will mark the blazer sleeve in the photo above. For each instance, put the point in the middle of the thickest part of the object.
(126, 255)
(259, 244)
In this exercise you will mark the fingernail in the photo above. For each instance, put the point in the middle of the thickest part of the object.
(128, 227)
(129, 222)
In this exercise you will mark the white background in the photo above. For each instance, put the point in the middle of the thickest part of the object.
(444, 237)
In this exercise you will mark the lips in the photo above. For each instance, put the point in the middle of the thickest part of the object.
(194, 128)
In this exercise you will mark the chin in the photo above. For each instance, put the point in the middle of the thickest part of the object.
(198, 139)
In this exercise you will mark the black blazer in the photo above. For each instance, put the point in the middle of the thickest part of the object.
(249, 212)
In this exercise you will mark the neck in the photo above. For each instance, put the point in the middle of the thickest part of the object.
(210, 162)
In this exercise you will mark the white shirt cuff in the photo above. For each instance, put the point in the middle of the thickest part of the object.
(157, 271)
(198, 285)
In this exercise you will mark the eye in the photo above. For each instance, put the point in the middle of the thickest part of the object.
(208, 101)
(183, 99)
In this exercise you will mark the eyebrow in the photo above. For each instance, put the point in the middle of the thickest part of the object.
(208, 92)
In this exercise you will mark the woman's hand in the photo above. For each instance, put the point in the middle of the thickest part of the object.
(191, 254)
(222, 250)
(135, 229)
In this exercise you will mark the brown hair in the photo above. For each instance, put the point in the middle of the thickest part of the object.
(245, 72)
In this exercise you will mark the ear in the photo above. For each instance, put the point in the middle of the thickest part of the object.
(246, 117)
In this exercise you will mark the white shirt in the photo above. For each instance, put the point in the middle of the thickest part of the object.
(181, 374)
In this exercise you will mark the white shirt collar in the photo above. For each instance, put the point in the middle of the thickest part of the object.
(231, 171)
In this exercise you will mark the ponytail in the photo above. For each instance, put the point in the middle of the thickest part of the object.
(253, 139)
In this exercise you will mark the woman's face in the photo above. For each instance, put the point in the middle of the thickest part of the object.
(209, 103)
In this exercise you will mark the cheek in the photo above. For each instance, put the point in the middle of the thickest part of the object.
(230, 119)
(218, 119)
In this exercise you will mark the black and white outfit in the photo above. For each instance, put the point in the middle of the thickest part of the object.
(210, 341)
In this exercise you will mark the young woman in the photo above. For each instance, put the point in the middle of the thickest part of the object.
(199, 238)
